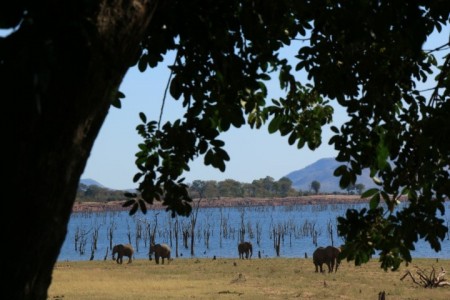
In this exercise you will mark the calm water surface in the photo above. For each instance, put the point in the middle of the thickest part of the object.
(300, 229)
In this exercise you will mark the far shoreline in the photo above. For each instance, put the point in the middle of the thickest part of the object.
(328, 199)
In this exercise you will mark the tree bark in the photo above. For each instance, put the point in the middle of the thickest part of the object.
(59, 74)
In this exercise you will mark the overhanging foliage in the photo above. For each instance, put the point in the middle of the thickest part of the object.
(367, 55)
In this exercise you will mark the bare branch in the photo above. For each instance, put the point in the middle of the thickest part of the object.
(428, 281)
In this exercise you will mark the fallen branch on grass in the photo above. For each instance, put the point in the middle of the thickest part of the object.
(428, 280)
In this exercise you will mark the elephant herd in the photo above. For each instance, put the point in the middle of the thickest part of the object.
(322, 255)
(159, 250)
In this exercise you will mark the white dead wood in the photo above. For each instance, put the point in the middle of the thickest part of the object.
(431, 280)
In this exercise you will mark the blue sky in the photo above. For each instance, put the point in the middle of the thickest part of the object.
(254, 154)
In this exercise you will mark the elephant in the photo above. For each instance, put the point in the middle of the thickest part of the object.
(123, 250)
(245, 248)
(333, 253)
(160, 250)
(328, 256)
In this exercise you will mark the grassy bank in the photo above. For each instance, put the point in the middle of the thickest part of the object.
(275, 278)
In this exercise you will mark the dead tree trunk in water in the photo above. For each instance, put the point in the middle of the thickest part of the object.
(193, 222)
(176, 230)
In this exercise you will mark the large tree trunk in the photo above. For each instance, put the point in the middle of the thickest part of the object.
(59, 76)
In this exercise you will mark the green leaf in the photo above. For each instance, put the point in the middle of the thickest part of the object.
(209, 157)
(143, 206)
(143, 117)
(344, 181)
(374, 201)
(377, 180)
(369, 193)
(339, 170)
(274, 125)
(386, 197)
(175, 88)
(292, 138)
(334, 129)
(120, 95)
(129, 202)
(382, 151)
(134, 209)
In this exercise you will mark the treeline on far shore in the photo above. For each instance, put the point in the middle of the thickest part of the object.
(211, 189)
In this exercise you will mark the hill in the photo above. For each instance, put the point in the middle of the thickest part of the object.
(89, 182)
(322, 171)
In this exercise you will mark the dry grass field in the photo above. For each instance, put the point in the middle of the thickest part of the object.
(274, 278)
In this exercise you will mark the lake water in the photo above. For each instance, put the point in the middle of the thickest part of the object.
(299, 229)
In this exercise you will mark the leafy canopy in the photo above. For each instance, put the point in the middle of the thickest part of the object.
(367, 56)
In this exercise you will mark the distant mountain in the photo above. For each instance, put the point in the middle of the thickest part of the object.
(322, 171)
(89, 182)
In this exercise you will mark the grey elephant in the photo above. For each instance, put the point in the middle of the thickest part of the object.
(122, 250)
(333, 254)
(245, 248)
(329, 256)
(160, 250)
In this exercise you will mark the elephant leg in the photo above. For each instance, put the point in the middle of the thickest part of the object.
(162, 260)
(337, 264)
(157, 260)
